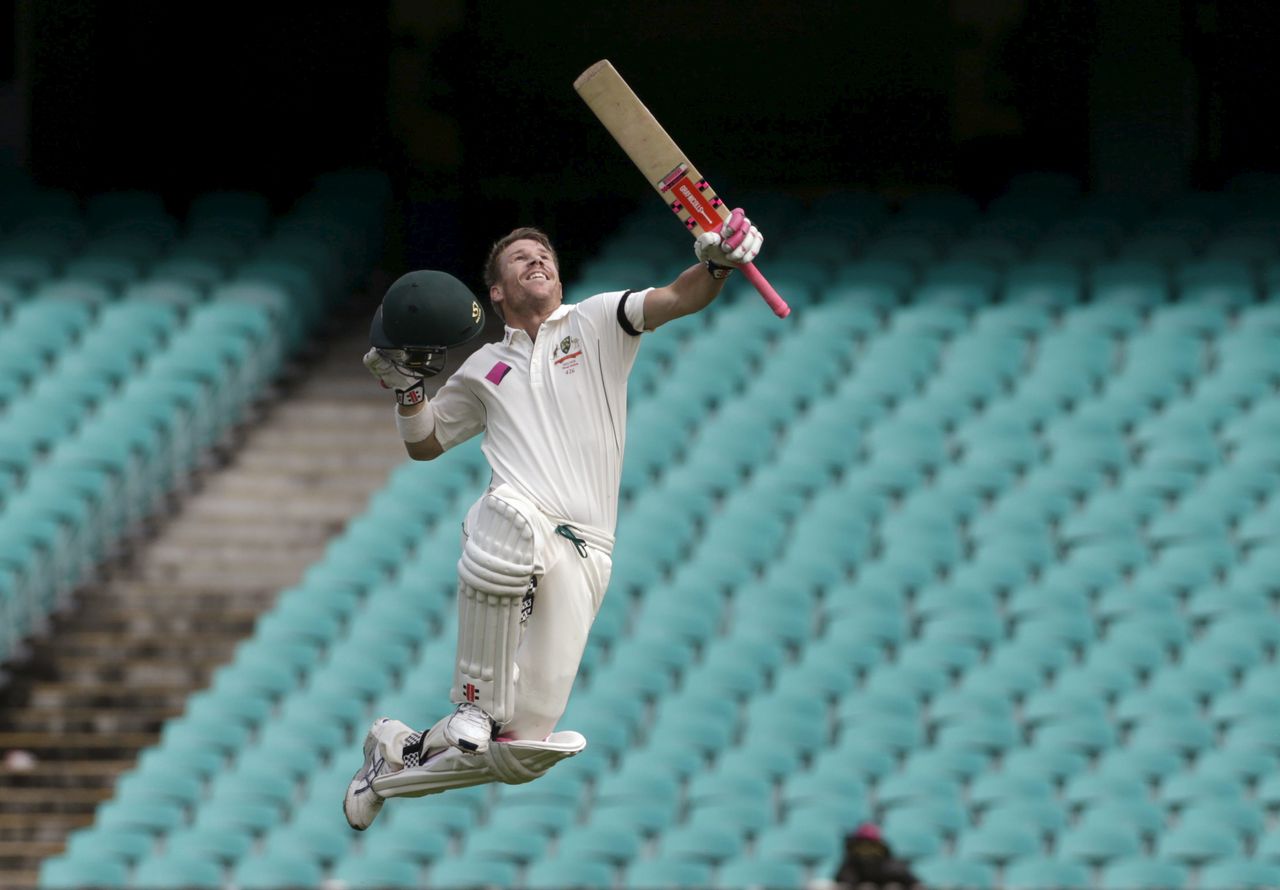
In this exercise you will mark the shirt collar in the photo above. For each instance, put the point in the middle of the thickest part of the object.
(510, 333)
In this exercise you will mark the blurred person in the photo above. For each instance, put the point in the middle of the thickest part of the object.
(869, 862)
(550, 399)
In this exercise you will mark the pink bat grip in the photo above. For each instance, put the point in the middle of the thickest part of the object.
(776, 303)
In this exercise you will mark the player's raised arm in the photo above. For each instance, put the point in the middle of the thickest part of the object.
(664, 165)
(721, 252)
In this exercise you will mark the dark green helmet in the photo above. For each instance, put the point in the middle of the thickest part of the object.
(423, 314)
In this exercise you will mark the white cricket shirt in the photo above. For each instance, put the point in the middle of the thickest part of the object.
(553, 410)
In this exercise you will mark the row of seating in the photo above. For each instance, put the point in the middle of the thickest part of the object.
(942, 562)
(112, 390)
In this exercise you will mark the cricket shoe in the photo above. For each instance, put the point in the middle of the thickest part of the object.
(470, 729)
(362, 804)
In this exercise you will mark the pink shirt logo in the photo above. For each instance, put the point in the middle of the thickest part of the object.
(497, 372)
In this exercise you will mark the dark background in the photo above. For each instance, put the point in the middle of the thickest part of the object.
(470, 107)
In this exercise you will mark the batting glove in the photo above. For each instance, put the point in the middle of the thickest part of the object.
(386, 365)
(737, 242)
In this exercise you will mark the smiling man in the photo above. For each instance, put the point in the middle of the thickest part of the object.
(550, 399)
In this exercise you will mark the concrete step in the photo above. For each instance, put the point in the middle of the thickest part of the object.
(52, 694)
(319, 508)
(256, 531)
(39, 801)
(113, 668)
(19, 879)
(55, 746)
(69, 773)
(179, 562)
(80, 643)
(15, 853)
(139, 718)
(47, 828)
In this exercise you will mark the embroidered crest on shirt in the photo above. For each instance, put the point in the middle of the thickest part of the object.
(567, 355)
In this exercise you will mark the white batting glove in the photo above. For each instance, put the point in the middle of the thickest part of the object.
(737, 242)
(384, 364)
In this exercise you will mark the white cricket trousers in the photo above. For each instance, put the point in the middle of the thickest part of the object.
(572, 578)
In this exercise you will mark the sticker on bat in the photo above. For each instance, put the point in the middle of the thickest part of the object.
(669, 180)
(702, 206)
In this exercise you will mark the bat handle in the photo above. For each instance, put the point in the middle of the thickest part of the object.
(776, 303)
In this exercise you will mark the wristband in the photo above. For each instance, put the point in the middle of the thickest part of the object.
(718, 271)
(416, 427)
(413, 395)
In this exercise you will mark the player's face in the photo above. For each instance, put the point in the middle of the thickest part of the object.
(530, 280)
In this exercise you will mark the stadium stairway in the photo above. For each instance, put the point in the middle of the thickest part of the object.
(125, 657)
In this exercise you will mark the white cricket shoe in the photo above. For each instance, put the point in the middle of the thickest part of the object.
(362, 804)
(469, 729)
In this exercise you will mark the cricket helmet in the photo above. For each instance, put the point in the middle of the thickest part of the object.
(422, 315)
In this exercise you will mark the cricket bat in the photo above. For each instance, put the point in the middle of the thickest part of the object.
(662, 162)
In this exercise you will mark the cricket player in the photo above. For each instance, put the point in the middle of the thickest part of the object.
(550, 399)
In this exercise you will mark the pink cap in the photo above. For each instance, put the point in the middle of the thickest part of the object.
(868, 830)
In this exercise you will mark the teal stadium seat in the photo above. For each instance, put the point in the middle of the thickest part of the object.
(124, 844)
(952, 873)
(663, 873)
(745, 873)
(69, 872)
(179, 869)
(1036, 872)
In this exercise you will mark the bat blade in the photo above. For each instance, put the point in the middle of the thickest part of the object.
(660, 160)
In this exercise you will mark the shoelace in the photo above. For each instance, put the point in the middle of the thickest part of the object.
(568, 531)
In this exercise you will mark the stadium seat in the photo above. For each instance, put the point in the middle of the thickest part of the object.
(468, 871)
(604, 842)
(1140, 811)
(1089, 788)
(1267, 849)
(368, 871)
(1247, 874)
(747, 873)
(1032, 873)
(1044, 814)
(1003, 787)
(126, 845)
(401, 841)
(999, 844)
(703, 841)
(1143, 873)
(1149, 762)
(500, 842)
(178, 870)
(276, 871)
(1101, 836)
(1239, 814)
(800, 842)
(951, 873)
(663, 873)
(1200, 843)
(70, 872)
(1248, 765)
